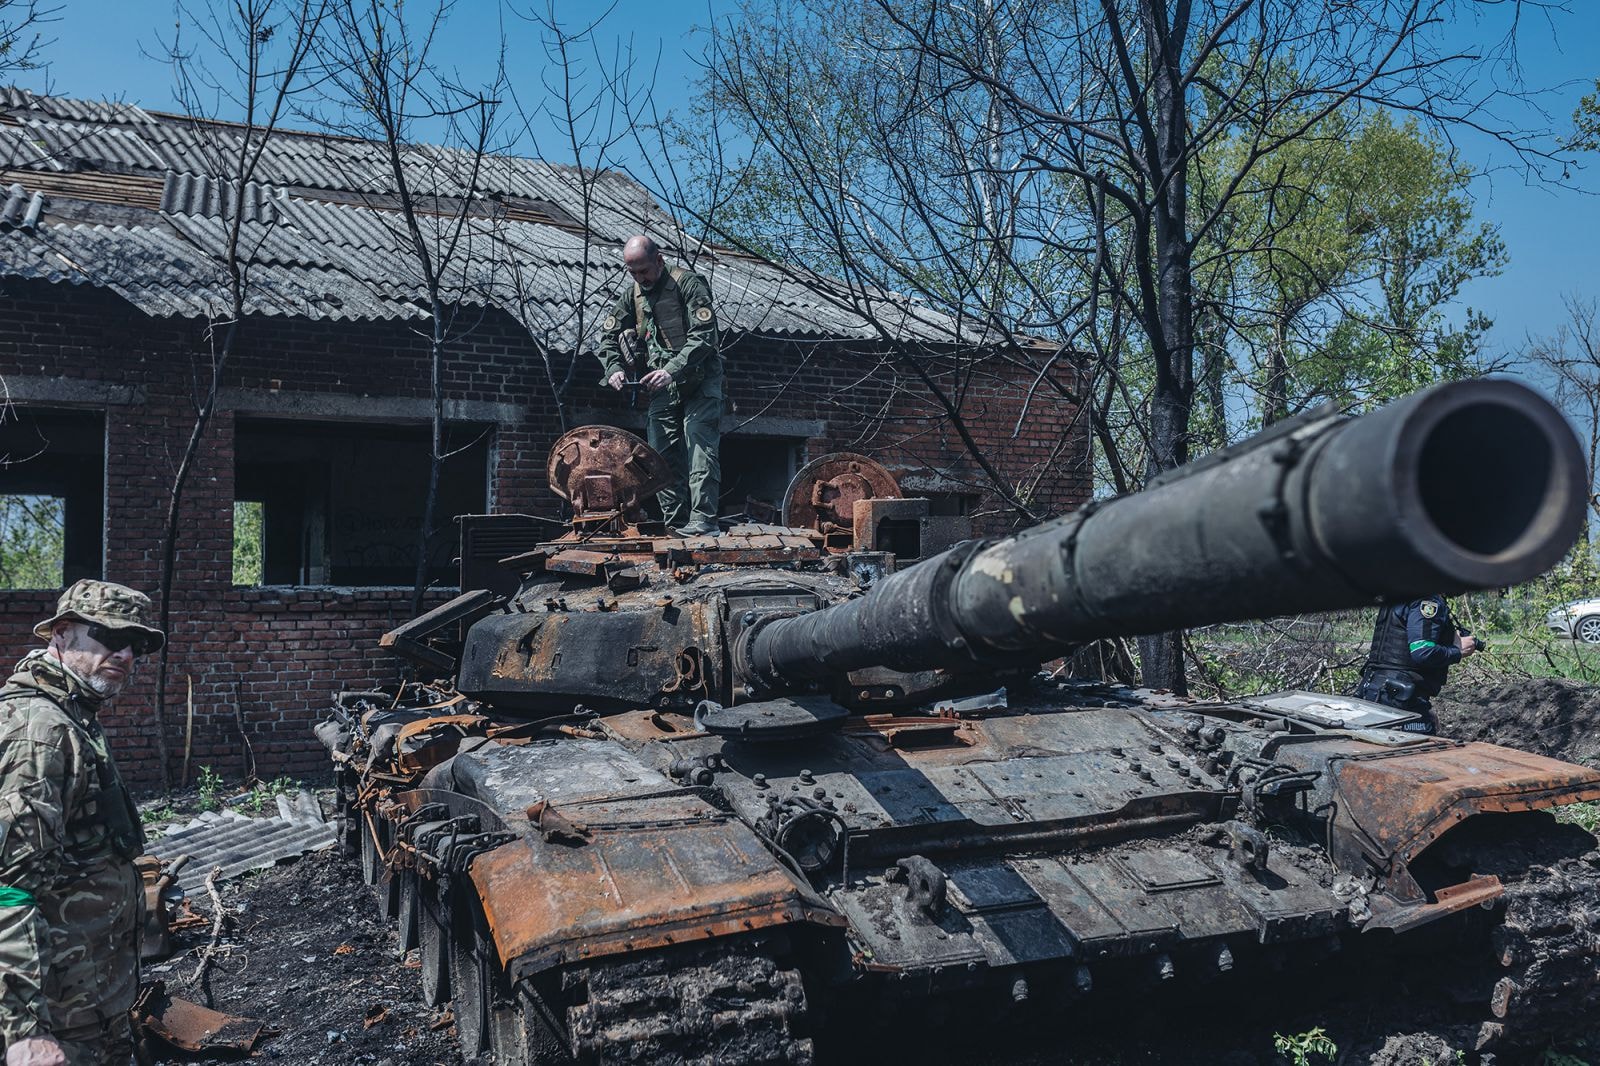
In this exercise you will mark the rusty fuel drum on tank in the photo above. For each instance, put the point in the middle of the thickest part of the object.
(672, 798)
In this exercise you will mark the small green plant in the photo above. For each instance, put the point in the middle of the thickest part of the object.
(1585, 815)
(210, 789)
(162, 812)
(1299, 1048)
(269, 790)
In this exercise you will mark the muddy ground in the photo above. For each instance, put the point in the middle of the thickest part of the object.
(306, 953)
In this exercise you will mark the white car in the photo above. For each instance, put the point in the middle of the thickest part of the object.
(1579, 620)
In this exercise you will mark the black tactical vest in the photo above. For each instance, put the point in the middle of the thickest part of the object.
(1390, 650)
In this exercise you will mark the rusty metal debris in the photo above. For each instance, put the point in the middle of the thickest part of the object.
(824, 493)
(605, 473)
(162, 900)
(190, 1027)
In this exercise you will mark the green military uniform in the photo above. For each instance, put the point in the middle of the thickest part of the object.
(678, 328)
(71, 901)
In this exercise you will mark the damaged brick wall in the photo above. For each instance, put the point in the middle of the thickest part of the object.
(269, 658)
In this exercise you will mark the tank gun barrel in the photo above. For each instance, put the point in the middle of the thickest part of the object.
(1468, 485)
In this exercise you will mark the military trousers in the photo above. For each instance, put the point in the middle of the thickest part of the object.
(687, 431)
(109, 1043)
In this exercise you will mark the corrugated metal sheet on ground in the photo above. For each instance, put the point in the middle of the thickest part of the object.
(238, 843)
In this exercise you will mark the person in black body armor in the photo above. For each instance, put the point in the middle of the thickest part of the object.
(1413, 647)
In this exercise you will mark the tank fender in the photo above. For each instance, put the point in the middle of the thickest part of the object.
(610, 858)
(1391, 805)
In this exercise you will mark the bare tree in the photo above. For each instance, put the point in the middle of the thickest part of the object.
(431, 140)
(22, 39)
(1571, 356)
(260, 50)
(1064, 168)
(582, 100)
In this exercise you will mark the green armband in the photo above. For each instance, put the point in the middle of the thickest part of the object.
(1415, 644)
(16, 897)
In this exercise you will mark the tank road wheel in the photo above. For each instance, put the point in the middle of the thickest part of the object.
(1588, 629)
(1545, 978)
(709, 1004)
(406, 909)
(433, 943)
(486, 1019)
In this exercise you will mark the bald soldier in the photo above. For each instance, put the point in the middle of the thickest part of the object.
(70, 899)
(670, 308)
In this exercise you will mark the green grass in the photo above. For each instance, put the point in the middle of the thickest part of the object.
(1586, 815)
(1324, 654)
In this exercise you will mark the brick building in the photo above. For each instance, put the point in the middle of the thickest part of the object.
(110, 290)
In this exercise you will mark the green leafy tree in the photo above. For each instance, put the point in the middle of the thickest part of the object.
(1586, 122)
(1344, 260)
(31, 541)
(249, 533)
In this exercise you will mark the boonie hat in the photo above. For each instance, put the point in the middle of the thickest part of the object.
(108, 604)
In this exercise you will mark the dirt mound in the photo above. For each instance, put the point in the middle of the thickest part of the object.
(1550, 716)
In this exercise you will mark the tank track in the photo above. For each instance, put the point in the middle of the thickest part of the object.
(1547, 948)
(699, 1008)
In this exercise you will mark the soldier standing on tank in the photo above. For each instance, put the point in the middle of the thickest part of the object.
(1413, 646)
(70, 899)
(670, 307)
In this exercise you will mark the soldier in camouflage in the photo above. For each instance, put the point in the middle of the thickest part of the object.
(671, 311)
(70, 898)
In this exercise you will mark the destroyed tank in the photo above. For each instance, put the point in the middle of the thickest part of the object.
(681, 799)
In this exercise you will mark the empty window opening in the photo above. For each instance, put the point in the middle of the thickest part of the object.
(756, 472)
(341, 504)
(52, 496)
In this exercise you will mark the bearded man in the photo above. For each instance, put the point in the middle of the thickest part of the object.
(70, 899)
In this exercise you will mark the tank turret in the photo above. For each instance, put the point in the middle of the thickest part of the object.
(1319, 513)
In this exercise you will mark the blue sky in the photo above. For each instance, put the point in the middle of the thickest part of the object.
(1551, 233)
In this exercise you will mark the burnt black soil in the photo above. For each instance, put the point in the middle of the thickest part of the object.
(307, 954)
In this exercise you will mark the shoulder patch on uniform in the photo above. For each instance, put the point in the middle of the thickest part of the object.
(702, 314)
(1428, 608)
(609, 324)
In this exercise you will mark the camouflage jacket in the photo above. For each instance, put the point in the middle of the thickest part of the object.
(676, 325)
(70, 899)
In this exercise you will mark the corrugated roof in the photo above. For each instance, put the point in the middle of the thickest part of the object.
(196, 194)
(310, 256)
(21, 209)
